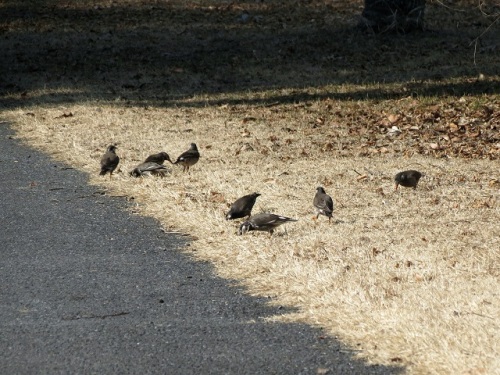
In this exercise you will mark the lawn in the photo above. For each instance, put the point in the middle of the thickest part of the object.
(283, 97)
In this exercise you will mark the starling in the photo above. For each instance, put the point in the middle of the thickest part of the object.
(149, 168)
(242, 207)
(323, 204)
(109, 161)
(407, 179)
(189, 157)
(158, 158)
(263, 222)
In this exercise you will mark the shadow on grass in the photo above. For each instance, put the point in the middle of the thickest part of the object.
(120, 297)
(161, 53)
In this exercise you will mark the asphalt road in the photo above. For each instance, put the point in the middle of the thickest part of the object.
(86, 287)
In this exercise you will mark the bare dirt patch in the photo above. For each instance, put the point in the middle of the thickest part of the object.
(282, 98)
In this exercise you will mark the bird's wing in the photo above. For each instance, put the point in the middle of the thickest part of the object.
(282, 219)
(110, 160)
(190, 154)
(329, 203)
(324, 202)
(151, 167)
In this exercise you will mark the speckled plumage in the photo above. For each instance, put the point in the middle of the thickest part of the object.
(147, 168)
(264, 222)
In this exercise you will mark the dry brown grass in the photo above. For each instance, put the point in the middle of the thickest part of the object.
(409, 278)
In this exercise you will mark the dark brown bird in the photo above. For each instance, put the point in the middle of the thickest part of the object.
(109, 161)
(148, 168)
(407, 179)
(264, 222)
(158, 158)
(323, 204)
(188, 158)
(242, 207)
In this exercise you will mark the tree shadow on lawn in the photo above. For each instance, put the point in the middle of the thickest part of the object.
(163, 53)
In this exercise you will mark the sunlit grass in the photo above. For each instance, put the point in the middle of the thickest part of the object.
(408, 277)
(297, 100)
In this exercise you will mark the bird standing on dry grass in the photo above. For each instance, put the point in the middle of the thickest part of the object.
(242, 207)
(147, 168)
(263, 222)
(323, 204)
(407, 179)
(109, 161)
(158, 158)
(188, 158)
